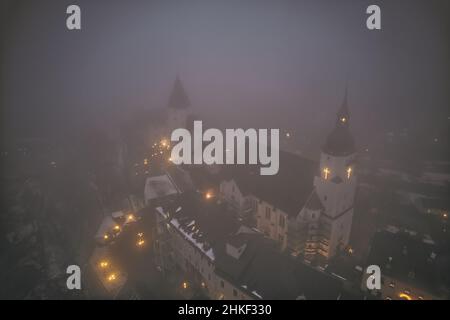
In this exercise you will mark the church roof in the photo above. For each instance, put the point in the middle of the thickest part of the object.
(178, 98)
(288, 190)
(314, 202)
(340, 141)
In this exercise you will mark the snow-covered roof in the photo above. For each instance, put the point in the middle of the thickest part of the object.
(106, 226)
(117, 214)
(159, 186)
(189, 236)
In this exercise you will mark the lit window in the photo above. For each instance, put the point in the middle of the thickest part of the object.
(349, 172)
(326, 173)
(208, 195)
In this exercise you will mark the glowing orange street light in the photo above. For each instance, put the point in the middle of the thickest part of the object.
(140, 242)
(112, 277)
(185, 285)
(104, 264)
(208, 195)
(164, 143)
(116, 228)
(105, 236)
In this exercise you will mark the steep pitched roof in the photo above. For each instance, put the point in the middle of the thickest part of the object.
(178, 98)
(314, 202)
(340, 141)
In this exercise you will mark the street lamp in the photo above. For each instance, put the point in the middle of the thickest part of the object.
(112, 277)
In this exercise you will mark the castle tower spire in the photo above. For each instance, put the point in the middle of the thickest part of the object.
(178, 110)
(340, 141)
(178, 98)
(343, 115)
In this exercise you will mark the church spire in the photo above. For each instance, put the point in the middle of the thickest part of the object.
(343, 115)
(178, 98)
(340, 141)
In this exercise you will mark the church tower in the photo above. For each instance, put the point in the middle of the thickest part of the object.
(335, 186)
(178, 107)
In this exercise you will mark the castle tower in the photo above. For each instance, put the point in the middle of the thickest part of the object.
(336, 186)
(178, 107)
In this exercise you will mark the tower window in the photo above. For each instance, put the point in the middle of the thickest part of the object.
(349, 172)
(326, 173)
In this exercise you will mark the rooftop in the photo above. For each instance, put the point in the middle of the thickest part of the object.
(406, 256)
(294, 182)
(178, 98)
(159, 186)
(260, 269)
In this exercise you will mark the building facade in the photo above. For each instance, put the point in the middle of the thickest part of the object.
(307, 209)
(224, 260)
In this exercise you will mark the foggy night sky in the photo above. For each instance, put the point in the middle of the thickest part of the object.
(243, 63)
